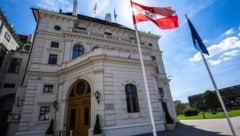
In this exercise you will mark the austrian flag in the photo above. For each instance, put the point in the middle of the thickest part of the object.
(164, 18)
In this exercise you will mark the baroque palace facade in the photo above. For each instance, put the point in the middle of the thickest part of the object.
(80, 67)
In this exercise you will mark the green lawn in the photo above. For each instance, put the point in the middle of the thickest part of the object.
(208, 115)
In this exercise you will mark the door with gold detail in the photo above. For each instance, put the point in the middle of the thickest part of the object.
(79, 109)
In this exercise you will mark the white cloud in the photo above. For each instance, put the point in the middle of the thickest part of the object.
(231, 53)
(225, 50)
(214, 62)
(228, 32)
(226, 58)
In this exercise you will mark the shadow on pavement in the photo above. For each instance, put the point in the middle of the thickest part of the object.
(185, 130)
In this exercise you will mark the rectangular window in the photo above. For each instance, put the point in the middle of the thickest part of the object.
(82, 28)
(131, 38)
(107, 33)
(48, 89)
(8, 85)
(44, 113)
(7, 36)
(160, 91)
(14, 65)
(52, 59)
(157, 70)
(55, 44)
(2, 55)
(153, 58)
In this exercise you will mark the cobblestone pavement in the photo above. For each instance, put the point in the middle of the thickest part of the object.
(207, 127)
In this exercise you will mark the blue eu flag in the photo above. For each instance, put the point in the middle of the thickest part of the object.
(196, 38)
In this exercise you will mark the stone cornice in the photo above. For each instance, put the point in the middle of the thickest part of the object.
(100, 39)
(41, 12)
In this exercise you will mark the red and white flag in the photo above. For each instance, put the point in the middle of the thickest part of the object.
(95, 9)
(164, 18)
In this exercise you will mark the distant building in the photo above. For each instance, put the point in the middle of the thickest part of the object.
(230, 94)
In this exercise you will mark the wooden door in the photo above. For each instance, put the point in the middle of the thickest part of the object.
(79, 111)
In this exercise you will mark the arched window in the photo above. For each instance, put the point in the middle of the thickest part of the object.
(80, 88)
(131, 98)
(78, 50)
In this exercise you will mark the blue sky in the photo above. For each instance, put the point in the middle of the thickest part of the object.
(217, 22)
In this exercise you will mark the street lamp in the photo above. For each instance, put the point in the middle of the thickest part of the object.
(97, 96)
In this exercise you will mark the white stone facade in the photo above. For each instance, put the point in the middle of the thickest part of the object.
(110, 62)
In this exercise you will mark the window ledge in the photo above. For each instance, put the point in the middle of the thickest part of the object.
(55, 49)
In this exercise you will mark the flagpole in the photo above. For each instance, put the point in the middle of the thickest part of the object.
(144, 77)
(218, 94)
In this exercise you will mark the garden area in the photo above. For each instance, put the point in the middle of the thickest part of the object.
(207, 107)
(209, 115)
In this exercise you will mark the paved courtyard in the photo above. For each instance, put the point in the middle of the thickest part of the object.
(207, 127)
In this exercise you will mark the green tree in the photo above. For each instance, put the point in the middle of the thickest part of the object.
(210, 99)
(180, 107)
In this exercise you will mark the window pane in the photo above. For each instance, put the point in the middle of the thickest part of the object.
(14, 65)
(7, 36)
(48, 89)
(77, 51)
(54, 44)
(44, 113)
(131, 98)
(52, 59)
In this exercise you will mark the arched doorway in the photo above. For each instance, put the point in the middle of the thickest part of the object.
(79, 108)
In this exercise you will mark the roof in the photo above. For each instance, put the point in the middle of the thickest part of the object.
(87, 18)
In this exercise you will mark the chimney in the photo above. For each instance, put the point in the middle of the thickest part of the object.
(108, 17)
(75, 7)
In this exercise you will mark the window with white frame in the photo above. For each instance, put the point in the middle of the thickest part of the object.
(7, 36)
(44, 113)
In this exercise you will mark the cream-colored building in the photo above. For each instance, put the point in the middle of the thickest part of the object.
(80, 67)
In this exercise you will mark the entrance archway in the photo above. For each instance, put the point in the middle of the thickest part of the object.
(79, 108)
